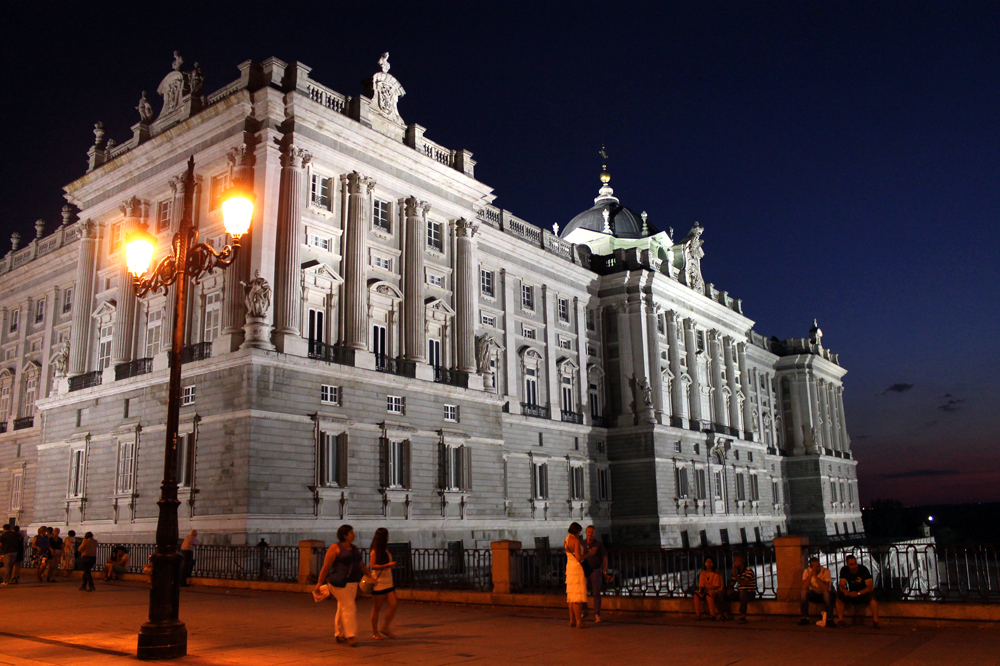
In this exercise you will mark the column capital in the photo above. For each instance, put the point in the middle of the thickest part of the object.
(359, 184)
(132, 207)
(415, 207)
(295, 157)
(466, 228)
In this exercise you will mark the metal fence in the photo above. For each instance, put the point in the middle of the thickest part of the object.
(452, 568)
(277, 563)
(646, 572)
(924, 571)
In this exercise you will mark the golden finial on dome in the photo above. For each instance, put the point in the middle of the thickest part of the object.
(605, 176)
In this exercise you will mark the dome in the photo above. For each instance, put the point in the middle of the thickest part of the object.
(623, 222)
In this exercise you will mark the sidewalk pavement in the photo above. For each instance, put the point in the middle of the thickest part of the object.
(57, 624)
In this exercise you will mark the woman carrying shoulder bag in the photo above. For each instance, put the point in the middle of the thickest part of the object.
(382, 564)
(342, 571)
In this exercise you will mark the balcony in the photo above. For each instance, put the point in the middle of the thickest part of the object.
(451, 377)
(3, 426)
(678, 422)
(142, 366)
(331, 353)
(88, 380)
(199, 351)
(571, 417)
(536, 411)
(24, 422)
(395, 366)
(599, 421)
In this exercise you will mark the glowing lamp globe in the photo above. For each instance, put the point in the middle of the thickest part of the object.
(139, 247)
(237, 211)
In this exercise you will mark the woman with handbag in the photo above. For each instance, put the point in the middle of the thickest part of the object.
(342, 571)
(576, 577)
(381, 564)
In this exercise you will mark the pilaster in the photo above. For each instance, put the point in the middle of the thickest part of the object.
(359, 189)
(287, 291)
(83, 299)
(122, 343)
(414, 317)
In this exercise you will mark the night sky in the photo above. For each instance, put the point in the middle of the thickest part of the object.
(843, 158)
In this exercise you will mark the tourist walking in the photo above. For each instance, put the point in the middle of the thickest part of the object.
(56, 548)
(381, 564)
(8, 552)
(597, 559)
(709, 590)
(342, 569)
(576, 579)
(187, 552)
(88, 558)
(69, 554)
(40, 544)
(19, 557)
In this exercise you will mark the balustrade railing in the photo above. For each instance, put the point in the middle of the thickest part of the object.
(142, 366)
(599, 421)
(451, 377)
(571, 417)
(536, 411)
(84, 381)
(199, 351)
(395, 366)
(331, 353)
(24, 423)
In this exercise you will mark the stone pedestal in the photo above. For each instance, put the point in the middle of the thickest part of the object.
(257, 334)
(788, 557)
(503, 565)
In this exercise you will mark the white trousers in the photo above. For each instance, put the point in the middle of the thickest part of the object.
(346, 622)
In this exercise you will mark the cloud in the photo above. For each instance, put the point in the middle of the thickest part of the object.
(951, 405)
(898, 388)
(919, 472)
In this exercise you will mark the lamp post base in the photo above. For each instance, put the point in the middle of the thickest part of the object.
(162, 640)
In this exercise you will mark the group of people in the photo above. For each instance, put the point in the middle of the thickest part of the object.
(343, 571)
(52, 554)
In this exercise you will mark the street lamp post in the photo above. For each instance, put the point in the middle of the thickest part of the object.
(165, 636)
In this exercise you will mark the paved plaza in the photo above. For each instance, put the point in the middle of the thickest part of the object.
(57, 624)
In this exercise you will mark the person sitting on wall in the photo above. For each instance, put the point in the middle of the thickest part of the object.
(743, 586)
(117, 565)
(710, 590)
(857, 589)
(816, 590)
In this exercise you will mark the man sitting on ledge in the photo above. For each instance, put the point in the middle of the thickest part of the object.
(816, 590)
(856, 589)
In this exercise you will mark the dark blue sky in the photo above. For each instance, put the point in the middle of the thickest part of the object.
(843, 158)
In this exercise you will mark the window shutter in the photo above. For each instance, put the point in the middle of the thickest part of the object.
(406, 464)
(442, 465)
(544, 482)
(535, 474)
(466, 468)
(342, 460)
(383, 462)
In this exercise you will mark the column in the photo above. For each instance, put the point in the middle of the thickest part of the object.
(83, 299)
(513, 379)
(834, 417)
(287, 269)
(735, 416)
(674, 355)
(583, 381)
(628, 392)
(466, 281)
(45, 378)
(655, 379)
(774, 407)
(750, 422)
(234, 303)
(124, 328)
(718, 399)
(552, 378)
(359, 189)
(179, 187)
(414, 318)
(24, 320)
(691, 342)
(845, 439)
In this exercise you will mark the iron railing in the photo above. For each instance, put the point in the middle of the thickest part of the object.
(451, 377)
(84, 381)
(571, 417)
(24, 423)
(142, 366)
(199, 351)
(599, 421)
(924, 571)
(276, 563)
(537, 411)
(453, 568)
(395, 366)
(3, 426)
(646, 572)
(331, 353)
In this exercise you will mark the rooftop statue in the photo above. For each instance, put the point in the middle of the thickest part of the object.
(386, 91)
(144, 108)
(692, 258)
(174, 86)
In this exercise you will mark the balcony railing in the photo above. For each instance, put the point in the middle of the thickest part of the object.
(451, 377)
(199, 351)
(571, 417)
(395, 366)
(599, 421)
(331, 353)
(142, 366)
(537, 411)
(87, 380)
(3, 426)
(24, 422)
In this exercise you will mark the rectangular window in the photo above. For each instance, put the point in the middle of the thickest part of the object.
(67, 300)
(397, 464)
(455, 467)
(379, 345)
(717, 485)
(115, 237)
(678, 447)
(486, 282)
(434, 352)
(776, 492)
(39, 312)
(385, 263)
(434, 237)
(319, 191)
(16, 482)
(591, 320)
(329, 395)
(565, 343)
(381, 216)
(5, 402)
(104, 348)
(451, 413)
(435, 280)
(333, 459)
(187, 395)
(213, 315)
(185, 460)
(681, 475)
(700, 491)
(488, 320)
(741, 491)
(126, 467)
(595, 400)
(154, 333)
(76, 463)
(703, 538)
(754, 488)
(317, 327)
(701, 341)
(568, 403)
(604, 484)
(30, 393)
(564, 310)
(833, 491)
(164, 211)
(743, 535)
(591, 351)
(527, 297)
(217, 187)
(724, 536)
(395, 404)
(531, 386)
(539, 480)
(322, 242)
(577, 490)
(528, 333)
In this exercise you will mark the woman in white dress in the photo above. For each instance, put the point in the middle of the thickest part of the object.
(576, 582)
